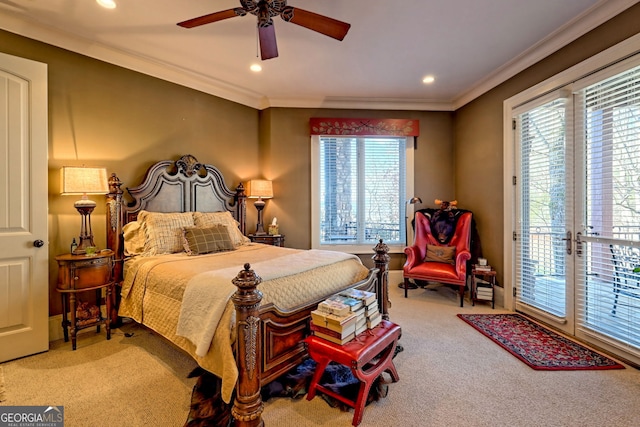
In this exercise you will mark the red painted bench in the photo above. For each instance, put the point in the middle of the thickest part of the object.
(368, 355)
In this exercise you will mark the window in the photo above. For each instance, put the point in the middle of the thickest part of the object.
(360, 185)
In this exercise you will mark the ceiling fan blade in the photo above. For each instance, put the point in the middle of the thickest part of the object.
(268, 46)
(208, 19)
(320, 23)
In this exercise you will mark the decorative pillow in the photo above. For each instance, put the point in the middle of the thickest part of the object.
(133, 238)
(163, 231)
(440, 254)
(208, 219)
(198, 241)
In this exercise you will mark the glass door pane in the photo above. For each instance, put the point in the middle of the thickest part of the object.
(544, 212)
(608, 126)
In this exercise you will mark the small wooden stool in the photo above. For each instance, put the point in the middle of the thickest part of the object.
(378, 343)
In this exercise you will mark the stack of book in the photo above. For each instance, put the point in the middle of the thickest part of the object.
(481, 268)
(339, 329)
(342, 316)
(484, 289)
(370, 304)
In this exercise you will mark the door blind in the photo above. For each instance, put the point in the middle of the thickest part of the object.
(540, 257)
(609, 126)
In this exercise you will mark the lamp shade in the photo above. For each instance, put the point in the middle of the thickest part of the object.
(259, 188)
(82, 180)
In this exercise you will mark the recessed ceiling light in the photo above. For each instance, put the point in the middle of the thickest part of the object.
(428, 79)
(256, 68)
(108, 4)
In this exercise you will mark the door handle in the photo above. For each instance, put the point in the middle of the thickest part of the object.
(568, 240)
(578, 244)
(38, 243)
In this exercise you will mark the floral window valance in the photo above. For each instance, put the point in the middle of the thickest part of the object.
(364, 127)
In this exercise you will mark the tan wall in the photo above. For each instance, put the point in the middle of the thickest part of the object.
(478, 131)
(103, 115)
(285, 146)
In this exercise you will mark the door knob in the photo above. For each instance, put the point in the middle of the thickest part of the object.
(38, 243)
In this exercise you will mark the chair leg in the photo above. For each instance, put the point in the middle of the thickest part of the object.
(462, 296)
(406, 286)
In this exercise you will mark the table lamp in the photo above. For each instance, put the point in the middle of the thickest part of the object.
(83, 181)
(259, 189)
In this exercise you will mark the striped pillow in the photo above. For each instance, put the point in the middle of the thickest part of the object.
(163, 231)
(198, 241)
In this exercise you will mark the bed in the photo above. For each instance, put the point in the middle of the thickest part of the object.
(237, 311)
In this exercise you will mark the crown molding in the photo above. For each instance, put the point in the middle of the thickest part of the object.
(131, 61)
(572, 30)
(361, 104)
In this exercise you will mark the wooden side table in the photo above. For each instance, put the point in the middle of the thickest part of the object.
(489, 277)
(268, 239)
(84, 273)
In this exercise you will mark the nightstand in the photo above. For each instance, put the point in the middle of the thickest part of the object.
(268, 239)
(483, 285)
(82, 274)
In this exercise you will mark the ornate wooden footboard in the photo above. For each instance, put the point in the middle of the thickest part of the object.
(269, 342)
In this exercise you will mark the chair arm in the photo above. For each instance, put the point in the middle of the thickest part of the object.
(413, 256)
(461, 262)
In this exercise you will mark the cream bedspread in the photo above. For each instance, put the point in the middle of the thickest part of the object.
(154, 287)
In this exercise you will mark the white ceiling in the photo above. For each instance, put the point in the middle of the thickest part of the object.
(469, 46)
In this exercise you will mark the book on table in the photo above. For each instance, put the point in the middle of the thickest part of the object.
(341, 341)
(353, 303)
(374, 320)
(481, 268)
(361, 322)
(484, 293)
(334, 322)
(351, 331)
(365, 296)
(372, 308)
(481, 283)
(334, 307)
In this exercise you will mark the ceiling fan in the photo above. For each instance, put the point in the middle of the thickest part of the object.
(265, 10)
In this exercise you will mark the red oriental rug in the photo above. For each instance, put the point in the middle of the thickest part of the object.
(537, 346)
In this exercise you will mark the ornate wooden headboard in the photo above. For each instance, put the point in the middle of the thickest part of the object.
(184, 185)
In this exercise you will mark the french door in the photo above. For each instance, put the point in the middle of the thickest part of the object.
(577, 237)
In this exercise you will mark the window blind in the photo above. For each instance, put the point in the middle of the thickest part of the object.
(362, 188)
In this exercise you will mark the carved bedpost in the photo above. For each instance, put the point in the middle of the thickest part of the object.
(247, 406)
(241, 214)
(381, 260)
(114, 238)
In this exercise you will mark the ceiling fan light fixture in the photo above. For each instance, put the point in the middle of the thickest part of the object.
(107, 4)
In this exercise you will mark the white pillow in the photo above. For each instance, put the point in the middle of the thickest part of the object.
(208, 219)
(163, 231)
(133, 238)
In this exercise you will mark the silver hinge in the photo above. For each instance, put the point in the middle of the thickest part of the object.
(513, 124)
(514, 291)
(515, 236)
(514, 180)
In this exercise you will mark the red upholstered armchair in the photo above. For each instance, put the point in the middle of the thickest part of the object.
(434, 270)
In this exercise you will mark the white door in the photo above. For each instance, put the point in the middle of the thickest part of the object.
(544, 267)
(577, 236)
(24, 271)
